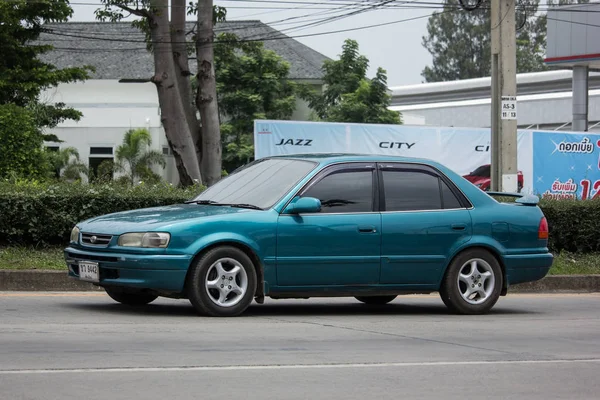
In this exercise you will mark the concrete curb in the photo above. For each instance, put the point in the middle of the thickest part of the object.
(37, 280)
(57, 281)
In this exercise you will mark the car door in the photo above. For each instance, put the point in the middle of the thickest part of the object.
(341, 244)
(424, 217)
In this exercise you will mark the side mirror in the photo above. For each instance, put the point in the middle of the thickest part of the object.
(304, 205)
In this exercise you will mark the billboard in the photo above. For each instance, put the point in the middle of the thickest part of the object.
(566, 165)
(550, 162)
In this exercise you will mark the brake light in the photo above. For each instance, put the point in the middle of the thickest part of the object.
(543, 229)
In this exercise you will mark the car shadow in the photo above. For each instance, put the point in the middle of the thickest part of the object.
(182, 308)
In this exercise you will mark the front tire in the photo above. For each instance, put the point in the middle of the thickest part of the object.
(130, 298)
(375, 300)
(222, 283)
(473, 283)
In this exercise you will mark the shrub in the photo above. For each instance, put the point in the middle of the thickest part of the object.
(574, 225)
(35, 213)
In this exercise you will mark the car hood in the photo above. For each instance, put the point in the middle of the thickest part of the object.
(148, 219)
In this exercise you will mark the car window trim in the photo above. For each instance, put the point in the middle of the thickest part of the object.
(344, 166)
(400, 166)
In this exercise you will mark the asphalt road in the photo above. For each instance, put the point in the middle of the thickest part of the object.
(85, 346)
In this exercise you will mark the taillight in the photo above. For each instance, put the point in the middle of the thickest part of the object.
(543, 229)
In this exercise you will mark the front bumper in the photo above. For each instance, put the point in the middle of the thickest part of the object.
(527, 267)
(162, 272)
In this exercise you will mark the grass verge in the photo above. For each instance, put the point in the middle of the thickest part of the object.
(14, 257)
(51, 258)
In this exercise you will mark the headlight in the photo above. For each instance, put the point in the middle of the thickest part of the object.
(144, 239)
(75, 235)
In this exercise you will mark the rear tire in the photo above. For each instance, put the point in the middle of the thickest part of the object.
(376, 300)
(130, 298)
(473, 283)
(222, 283)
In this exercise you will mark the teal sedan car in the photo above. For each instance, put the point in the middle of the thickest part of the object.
(323, 225)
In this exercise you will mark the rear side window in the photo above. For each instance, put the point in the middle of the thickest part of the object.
(344, 192)
(411, 190)
(448, 197)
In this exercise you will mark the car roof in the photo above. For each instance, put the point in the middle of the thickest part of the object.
(327, 158)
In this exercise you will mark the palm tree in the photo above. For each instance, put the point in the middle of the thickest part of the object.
(66, 163)
(135, 158)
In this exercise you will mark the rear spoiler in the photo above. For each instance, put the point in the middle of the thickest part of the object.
(525, 199)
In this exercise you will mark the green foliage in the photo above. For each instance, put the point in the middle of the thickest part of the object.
(21, 151)
(252, 83)
(67, 164)
(573, 224)
(135, 159)
(349, 95)
(44, 213)
(460, 41)
(368, 104)
(22, 74)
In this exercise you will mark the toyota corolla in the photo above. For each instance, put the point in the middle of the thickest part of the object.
(367, 227)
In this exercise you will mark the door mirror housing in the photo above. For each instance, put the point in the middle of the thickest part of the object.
(304, 205)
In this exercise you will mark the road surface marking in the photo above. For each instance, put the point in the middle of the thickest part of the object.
(295, 366)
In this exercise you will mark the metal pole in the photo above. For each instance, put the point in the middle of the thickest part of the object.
(580, 98)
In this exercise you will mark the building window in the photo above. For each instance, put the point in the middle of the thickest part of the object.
(101, 150)
(101, 163)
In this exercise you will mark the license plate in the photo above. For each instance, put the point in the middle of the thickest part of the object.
(89, 271)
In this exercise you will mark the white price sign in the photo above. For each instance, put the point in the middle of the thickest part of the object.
(509, 107)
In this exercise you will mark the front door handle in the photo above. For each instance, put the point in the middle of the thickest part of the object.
(367, 229)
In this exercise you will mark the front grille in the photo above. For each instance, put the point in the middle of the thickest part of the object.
(95, 240)
(91, 257)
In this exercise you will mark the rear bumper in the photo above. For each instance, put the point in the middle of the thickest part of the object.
(157, 272)
(527, 267)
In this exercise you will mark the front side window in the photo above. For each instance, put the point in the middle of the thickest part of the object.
(261, 183)
(344, 192)
(411, 191)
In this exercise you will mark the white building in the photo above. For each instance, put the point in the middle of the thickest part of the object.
(118, 97)
(544, 101)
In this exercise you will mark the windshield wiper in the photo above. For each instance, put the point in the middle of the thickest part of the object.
(243, 205)
(209, 202)
(216, 203)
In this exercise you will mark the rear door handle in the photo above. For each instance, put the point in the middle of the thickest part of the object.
(367, 229)
(459, 227)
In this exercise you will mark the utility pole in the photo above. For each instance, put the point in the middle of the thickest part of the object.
(504, 92)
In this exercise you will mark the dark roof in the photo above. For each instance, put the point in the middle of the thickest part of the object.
(93, 43)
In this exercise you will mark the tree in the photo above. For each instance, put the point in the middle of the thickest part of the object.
(67, 164)
(252, 83)
(206, 96)
(21, 151)
(349, 95)
(23, 76)
(367, 104)
(134, 157)
(460, 41)
(192, 145)
(155, 23)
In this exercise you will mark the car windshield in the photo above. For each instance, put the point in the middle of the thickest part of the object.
(484, 170)
(261, 183)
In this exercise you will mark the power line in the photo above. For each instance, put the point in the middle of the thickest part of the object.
(282, 37)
